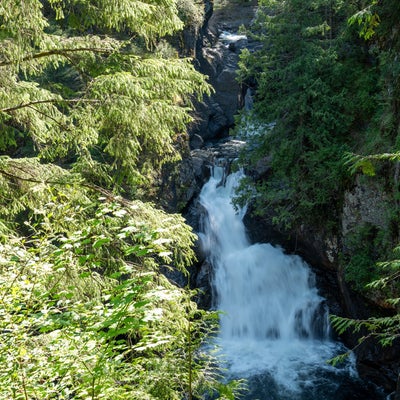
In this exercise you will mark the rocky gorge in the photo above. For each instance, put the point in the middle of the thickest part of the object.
(216, 46)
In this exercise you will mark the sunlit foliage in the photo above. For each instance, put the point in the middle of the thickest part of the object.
(92, 103)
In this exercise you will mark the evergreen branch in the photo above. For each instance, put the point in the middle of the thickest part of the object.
(47, 116)
(32, 180)
(32, 103)
(58, 52)
(23, 105)
(106, 193)
(342, 357)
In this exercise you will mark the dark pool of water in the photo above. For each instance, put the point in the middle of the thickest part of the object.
(323, 386)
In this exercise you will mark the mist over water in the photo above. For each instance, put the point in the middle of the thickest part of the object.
(274, 327)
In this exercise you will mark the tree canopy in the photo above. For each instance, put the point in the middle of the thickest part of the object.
(315, 89)
(93, 101)
(80, 85)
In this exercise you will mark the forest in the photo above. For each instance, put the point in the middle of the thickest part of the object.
(326, 120)
(95, 100)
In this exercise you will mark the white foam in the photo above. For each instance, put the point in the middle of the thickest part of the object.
(229, 37)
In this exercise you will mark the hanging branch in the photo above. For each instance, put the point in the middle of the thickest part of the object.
(104, 192)
(58, 52)
(35, 102)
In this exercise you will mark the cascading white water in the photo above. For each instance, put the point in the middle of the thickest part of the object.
(263, 292)
(273, 321)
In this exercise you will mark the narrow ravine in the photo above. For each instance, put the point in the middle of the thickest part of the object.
(274, 328)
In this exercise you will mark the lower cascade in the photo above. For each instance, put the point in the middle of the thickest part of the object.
(274, 326)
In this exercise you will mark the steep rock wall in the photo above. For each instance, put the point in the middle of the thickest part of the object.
(216, 55)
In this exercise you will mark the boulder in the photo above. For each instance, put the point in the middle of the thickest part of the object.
(379, 364)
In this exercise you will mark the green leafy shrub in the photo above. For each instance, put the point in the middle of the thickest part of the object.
(85, 314)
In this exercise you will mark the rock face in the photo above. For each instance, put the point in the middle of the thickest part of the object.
(379, 364)
(215, 47)
(217, 56)
(177, 185)
(366, 203)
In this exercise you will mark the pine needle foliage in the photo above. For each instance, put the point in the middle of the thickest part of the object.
(130, 104)
(312, 94)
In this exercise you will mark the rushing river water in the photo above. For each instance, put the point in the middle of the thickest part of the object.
(274, 325)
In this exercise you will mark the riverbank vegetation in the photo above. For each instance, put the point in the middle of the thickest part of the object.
(92, 103)
(325, 78)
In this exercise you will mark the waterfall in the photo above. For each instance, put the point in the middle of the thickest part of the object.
(263, 292)
(273, 325)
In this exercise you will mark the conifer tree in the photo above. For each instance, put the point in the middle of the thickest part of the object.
(75, 89)
(91, 104)
(309, 94)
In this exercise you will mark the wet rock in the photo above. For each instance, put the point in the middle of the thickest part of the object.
(177, 185)
(228, 148)
(174, 276)
(203, 159)
(196, 142)
(379, 364)
(228, 90)
(203, 279)
(217, 57)
(396, 395)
